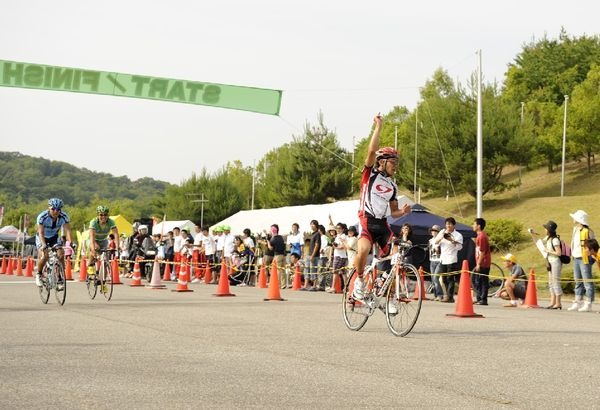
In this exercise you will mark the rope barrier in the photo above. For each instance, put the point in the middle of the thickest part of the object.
(328, 270)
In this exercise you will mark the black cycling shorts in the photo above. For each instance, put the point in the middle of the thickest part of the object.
(376, 231)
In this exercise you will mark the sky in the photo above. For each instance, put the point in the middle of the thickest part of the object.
(346, 59)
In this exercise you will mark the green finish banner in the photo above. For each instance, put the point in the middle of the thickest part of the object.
(45, 77)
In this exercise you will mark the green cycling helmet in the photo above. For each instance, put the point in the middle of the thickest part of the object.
(101, 209)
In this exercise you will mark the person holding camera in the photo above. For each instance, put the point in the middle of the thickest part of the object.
(450, 241)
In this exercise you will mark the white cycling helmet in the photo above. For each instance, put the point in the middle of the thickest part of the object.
(143, 228)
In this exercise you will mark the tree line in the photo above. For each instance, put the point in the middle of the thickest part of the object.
(522, 126)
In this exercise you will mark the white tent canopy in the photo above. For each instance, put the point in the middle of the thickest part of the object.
(10, 233)
(259, 220)
(166, 226)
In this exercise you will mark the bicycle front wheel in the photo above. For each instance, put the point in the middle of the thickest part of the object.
(92, 286)
(496, 280)
(355, 312)
(403, 301)
(107, 282)
(45, 288)
(60, 287)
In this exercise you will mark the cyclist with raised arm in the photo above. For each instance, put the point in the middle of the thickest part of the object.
(377, 201)
(49, 223)
(100, 227)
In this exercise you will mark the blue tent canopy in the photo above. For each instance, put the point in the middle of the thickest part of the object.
(421, 220)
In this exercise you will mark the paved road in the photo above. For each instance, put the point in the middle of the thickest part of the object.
(159, 349)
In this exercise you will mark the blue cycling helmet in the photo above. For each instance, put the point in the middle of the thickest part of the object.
(55, 203)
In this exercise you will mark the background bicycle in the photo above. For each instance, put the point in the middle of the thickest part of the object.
(101, 279)
(53, 277)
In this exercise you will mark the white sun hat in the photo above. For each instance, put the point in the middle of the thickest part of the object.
(580, 217)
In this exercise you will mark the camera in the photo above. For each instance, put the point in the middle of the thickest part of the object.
(448, 236)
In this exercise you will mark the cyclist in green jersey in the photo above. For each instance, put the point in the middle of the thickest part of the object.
(100, 228)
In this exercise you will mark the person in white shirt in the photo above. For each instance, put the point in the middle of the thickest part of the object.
(228, 247)
(340, 255)
(450, 241)
(295, 239)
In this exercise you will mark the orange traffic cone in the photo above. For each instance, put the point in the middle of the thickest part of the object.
(262, 277)
(136, 279)
(207, 274)
(82, 270)
(114, 267)
(29, 267)
(3, 266)
(422, 280)
(68, 269)
(19, 271)
(183, 279)
(223, 287)
(11, 267)
(273, 293)
(297, 284)
(464, 302)
(531, 293)
(167, 274)
(155, 282)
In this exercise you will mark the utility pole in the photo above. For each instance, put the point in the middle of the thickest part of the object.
(479, 142)
(564, 149)
(202, 201)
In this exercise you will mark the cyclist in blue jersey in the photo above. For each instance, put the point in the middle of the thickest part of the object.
(49, 223)
(100, 227)
(377, 201)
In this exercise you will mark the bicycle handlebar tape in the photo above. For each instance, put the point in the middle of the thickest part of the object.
(262, 277)
(464, 302)
(223, 287)
(273, 292)
(182, 279)
(155, 282)
(82, 270)
(207, 274)
(422, 279)
(68, 269)
(297, 285)
(114, 267)
(136, 280)
(531, 293)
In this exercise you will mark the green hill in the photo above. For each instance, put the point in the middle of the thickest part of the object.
(26, 179)
(539, 201)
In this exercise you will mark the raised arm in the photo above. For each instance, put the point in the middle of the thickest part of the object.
(374, 142)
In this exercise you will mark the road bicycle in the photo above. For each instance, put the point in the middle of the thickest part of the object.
(101, 279)
(497, 280)
(53, 277)
(397, 292)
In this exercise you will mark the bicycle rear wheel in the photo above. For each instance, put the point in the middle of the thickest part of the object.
(496, 280)
(106, 279)
(92, 286)
(60, 287)
(403, 301)
(45, 288)
(355, 312)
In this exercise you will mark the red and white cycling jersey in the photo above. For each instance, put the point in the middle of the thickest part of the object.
(377, 191)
